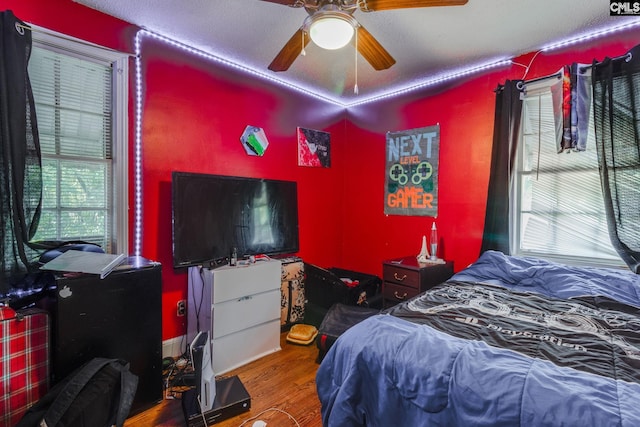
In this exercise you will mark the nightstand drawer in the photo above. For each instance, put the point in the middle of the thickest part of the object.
(405, 277)
(401, 276)
(398, 293)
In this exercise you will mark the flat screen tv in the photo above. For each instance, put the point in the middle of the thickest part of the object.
(213, 214)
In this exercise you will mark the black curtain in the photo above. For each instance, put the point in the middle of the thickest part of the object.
(616, 100)
(506, 130)
(20, 161)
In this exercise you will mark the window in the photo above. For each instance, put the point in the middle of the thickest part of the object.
(557, 198)
(80, 94)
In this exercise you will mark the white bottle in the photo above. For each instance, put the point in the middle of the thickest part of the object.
(233, 259)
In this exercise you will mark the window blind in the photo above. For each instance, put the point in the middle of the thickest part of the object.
(558, 204)
(73, 108)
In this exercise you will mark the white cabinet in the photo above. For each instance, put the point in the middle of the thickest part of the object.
(244, 317)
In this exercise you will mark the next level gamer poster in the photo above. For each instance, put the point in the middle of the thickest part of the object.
(411, 181)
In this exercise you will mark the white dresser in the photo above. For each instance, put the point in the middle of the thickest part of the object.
(245, 312)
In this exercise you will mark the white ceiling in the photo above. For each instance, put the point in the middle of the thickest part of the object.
(426, 42)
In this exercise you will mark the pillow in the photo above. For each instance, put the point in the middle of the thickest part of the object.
(302, 334)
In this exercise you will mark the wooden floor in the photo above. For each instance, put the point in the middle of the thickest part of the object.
(284, 380)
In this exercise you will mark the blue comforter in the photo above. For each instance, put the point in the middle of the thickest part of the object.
(387, 371)
(552, 279)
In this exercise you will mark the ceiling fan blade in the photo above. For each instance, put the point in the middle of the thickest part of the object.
(377, 5)
(292, 3)
(372, 50)
(289, 52)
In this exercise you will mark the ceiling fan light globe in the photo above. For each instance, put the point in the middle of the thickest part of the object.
(331, 32)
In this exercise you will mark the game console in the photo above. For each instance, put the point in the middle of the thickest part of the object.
(205, 380)
(211, 401)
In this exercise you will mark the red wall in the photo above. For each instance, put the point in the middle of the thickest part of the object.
(194, 114)
(195, 111)
(465, 111)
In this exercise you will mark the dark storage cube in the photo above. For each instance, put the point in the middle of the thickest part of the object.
(325, 287)
(338, 319)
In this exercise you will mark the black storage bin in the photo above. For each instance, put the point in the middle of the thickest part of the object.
(325, 287)
(338, 319)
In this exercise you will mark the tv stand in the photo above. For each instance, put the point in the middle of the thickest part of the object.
(240, 306)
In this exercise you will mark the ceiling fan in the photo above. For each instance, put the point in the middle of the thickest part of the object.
(341, 12)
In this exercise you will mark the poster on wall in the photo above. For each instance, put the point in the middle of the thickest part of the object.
(314, 148)
(411, 176)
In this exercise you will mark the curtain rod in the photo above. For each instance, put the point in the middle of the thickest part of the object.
(521, 84)
(627, 57)
(51, 33)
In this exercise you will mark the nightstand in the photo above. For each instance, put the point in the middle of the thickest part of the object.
(404, 278)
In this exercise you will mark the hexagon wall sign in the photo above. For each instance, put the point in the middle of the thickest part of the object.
(254, 141)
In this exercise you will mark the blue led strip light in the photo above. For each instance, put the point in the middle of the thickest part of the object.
(387, 94)
(137, 239)
(591, 35)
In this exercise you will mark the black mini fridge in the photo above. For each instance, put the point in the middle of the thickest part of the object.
(119, 316)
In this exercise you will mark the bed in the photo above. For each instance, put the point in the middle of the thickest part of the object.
(507, 341)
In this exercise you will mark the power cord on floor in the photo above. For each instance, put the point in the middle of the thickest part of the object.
(178, 376)
(264, 412)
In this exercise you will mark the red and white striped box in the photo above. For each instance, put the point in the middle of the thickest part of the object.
(24, 361)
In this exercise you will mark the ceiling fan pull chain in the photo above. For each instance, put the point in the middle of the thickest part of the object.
(303, 52)
(355, 88)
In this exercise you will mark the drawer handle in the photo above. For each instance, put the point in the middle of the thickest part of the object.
(400, 297)
(400, 279)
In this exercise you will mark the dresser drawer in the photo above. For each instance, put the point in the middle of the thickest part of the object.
(234, 350)
(234, 316)
(231, 283)
(401, 276)
(398, 293)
